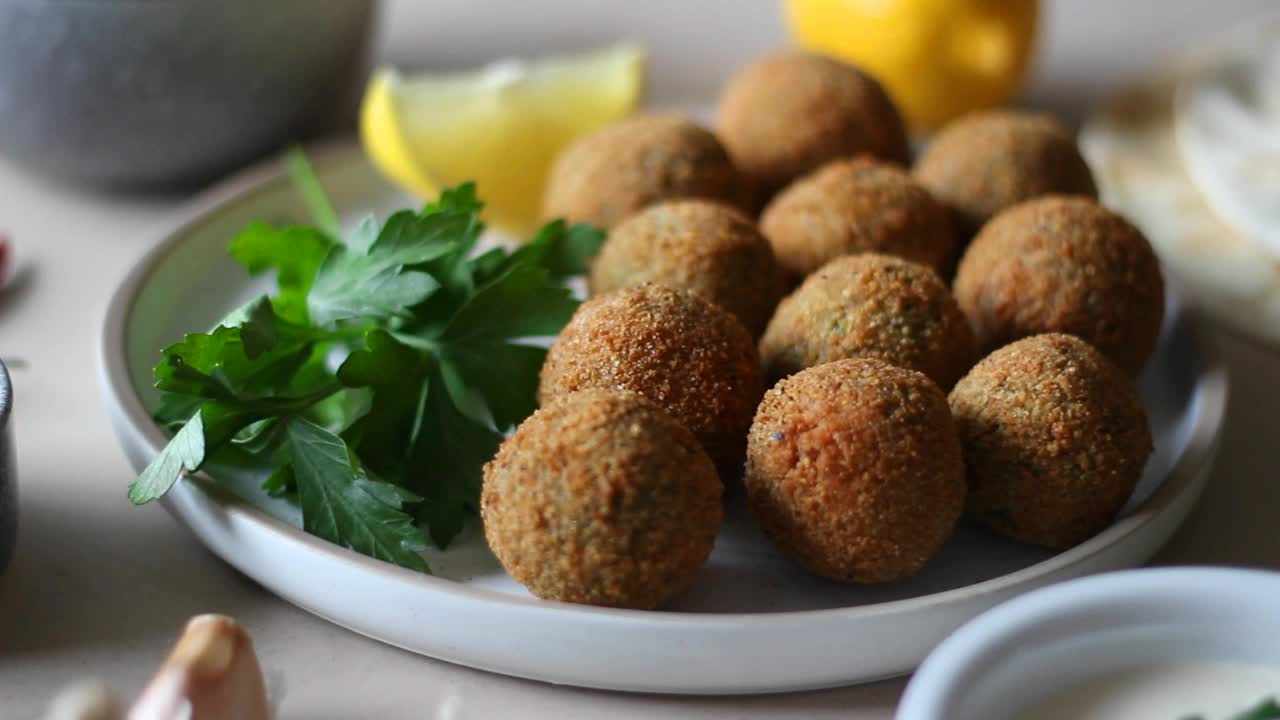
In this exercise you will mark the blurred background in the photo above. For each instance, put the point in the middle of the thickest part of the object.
(169, 95)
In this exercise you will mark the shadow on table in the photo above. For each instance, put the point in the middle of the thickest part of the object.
(1235, 519)
(83, 579)
(377, 681)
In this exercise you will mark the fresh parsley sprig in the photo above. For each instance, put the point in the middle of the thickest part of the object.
(376, 381)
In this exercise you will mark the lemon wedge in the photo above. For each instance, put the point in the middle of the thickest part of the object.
(501, 125)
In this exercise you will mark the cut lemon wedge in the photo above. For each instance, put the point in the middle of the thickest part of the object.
(501, 125)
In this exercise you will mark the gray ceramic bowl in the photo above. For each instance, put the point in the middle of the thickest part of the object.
(8, 473)
(156, 92)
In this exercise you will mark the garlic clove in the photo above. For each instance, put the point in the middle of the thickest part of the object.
(212, 673)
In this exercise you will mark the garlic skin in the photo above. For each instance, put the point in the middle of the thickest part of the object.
(91, 700)
(212, 673)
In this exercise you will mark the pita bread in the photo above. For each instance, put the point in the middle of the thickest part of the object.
(1130, 143)
(1226, 115)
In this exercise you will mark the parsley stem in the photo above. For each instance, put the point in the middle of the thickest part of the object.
(313, 195)
(417, 341)
(277, 406)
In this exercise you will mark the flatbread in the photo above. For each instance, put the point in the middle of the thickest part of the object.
(1226, 115)
(1131, 145)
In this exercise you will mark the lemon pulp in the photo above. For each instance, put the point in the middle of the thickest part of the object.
(501, 125)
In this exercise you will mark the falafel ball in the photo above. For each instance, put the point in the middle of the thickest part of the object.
(611, 173)
(694, 359)
(1055, 438)
(710, 249)
(853, 206)
(986, 161)
(602, 498)
(854, 469)
(1064, 264)
(787, 113)
(870, 306)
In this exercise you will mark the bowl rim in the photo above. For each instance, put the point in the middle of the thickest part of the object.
(1210, 388)
(948, 672)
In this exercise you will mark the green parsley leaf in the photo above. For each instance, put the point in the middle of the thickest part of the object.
(396, 374)
(381, 282)
(257, 323)
(487, 369)
(258, 437)
(408, 238)
(352, 286)
(218, 365)
(295, 253)
(446, 464)
(519, 304)
(215, 424)
(363, 235)
(281, 483)
(343, 505)
(175, 409)
(562, 250)
(460, 199)
(183, 454)
(466, 399)
(188, 366)
(571, 249)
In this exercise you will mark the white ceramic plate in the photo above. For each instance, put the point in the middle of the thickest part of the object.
(752, 623)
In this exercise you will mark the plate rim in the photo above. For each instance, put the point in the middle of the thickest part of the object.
(1211, 386)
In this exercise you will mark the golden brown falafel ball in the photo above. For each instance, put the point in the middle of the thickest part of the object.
(692, 358)
(853, 206)
(790, 112)
(602, 498)
(613, 172)
(1064, 264)
(1055, 439)
(986, 161)
(701, 246)
(870, 306)
(854, 469)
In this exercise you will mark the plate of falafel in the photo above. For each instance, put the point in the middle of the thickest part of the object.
(820, 407)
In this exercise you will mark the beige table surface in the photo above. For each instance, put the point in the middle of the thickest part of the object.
(100, 588)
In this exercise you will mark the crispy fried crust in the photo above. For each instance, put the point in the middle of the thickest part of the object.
(691, 357)
(602, 498)
(853, 206)
(631, 164)
(870, 306)
(855, 471)
(1064, 264)
(1055, 439)
(790, 112)
(986, 161)
(707, 248)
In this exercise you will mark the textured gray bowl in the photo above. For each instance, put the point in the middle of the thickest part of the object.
(156, 92)
(8, 473)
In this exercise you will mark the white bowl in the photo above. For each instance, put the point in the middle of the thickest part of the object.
(1052, 639)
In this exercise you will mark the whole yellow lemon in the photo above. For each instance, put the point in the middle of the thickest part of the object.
(937, 58)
